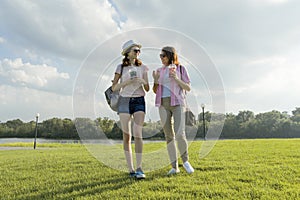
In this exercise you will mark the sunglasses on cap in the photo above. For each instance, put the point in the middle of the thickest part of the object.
(162, 55)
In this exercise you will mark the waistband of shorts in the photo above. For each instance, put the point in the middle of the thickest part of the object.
(131, 98)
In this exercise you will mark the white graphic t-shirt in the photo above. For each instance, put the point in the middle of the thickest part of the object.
(134, 89)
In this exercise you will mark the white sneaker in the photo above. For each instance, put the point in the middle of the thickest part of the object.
(173, 171)
(188, 167)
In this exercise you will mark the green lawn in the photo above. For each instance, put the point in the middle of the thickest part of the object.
(235, 169)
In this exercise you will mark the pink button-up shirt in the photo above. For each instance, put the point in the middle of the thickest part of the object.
(177, 94)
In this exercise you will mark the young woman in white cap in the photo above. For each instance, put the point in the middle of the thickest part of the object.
(170, 83)
(131, 77)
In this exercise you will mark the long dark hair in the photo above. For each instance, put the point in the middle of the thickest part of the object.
(126, 61)
(171, 55)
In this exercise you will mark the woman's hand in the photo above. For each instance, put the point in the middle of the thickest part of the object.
(139, 81)
(173, 74)
(127, 82)
(155, 76)
(135, 80)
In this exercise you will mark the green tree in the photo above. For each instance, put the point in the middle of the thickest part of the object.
(231, 127)
(116, 132)
(26, 130)
(268, 123)
(70, 129)
(296, 115)
(58, 128)
(88, 129)
(244, 116)
(207, 116)
(105, 124)
(295, 130)
(5, 131)
(14, 123)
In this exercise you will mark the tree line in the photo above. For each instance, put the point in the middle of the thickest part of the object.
(245, 124)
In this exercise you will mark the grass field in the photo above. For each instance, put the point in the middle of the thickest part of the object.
(235, 169)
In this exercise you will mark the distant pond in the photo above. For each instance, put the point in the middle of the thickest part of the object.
(38, 140)
(42, 140)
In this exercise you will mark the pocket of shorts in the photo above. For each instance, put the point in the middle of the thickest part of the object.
(141, 101)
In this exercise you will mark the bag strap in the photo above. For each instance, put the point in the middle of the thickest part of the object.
(121, 70)
(180, 72)
(120, 73)
(181, 76)
(187, 107)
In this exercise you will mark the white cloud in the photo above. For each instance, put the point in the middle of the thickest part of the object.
(269, 61)
(283, 77)
(70, 28)
(2, 40)
(44, 77)
(23, 103)
(269, 2)
(275, 88)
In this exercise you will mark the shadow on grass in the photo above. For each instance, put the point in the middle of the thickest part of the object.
(90, 188)
(209, 168)
(97, 185)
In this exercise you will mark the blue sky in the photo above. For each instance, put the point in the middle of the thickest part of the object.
(254, 44)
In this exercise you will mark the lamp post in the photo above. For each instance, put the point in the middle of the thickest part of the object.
(203, 119)
(36, 126)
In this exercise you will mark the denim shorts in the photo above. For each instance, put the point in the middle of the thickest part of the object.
(131, 105)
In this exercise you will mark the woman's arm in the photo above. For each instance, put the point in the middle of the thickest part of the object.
(117, 86)
(155, 76)
(181, 83)
(146, 85)
(154, 88)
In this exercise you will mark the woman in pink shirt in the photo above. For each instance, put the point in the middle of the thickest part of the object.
(170, 83)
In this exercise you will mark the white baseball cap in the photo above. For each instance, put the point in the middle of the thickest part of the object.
(127, 45)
